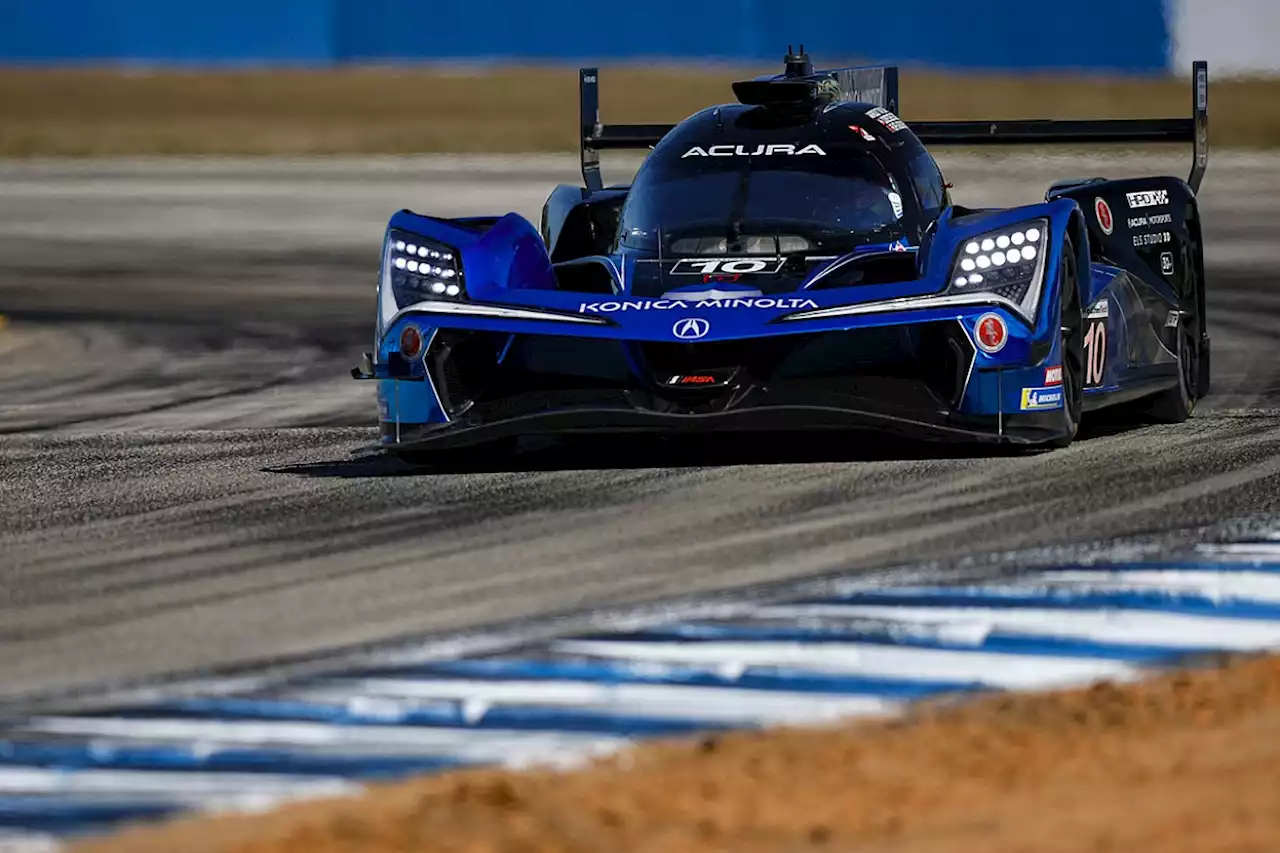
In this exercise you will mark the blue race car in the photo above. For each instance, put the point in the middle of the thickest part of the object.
(795, 262)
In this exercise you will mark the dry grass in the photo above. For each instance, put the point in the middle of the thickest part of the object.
(1185, 763)
(364, 111)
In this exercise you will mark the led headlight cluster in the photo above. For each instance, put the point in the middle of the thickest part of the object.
(1008, 263)
(422, 269)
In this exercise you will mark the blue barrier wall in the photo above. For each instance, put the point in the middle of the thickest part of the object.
(1126, 35)
(162, 31)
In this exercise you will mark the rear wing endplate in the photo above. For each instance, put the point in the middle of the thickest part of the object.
(880, 86)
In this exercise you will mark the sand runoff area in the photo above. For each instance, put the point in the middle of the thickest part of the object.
(1187, 761)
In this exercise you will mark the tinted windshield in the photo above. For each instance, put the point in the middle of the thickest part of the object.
(761, 199)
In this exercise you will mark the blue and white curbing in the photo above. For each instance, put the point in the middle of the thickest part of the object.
(845, 653)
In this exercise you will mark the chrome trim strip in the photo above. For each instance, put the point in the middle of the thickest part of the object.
(1035, 293)
(910, 303)
(501, 312)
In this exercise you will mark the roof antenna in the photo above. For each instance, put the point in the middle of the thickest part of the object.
(798, 64)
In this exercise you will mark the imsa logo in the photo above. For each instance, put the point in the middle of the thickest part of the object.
(757, 151)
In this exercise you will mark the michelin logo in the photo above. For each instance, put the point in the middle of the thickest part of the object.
(1034, 399)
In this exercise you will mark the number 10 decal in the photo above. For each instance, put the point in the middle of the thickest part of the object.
(1095, 353)
(728, 266)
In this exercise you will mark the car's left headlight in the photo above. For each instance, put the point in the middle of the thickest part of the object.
(1008, 262)
(420, 268)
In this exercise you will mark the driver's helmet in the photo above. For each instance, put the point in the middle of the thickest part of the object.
(875, 205)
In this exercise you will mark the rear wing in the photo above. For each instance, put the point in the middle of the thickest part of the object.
(880, 86)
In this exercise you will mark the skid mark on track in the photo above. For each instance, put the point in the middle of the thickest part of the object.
(791, 660)
(201, 549)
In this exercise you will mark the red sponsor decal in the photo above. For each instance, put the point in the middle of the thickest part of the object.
(410, 342)
(861, 131)
(1103, 212)
(1053, 375)
(697, 379)
(721, 277)
(992, 333)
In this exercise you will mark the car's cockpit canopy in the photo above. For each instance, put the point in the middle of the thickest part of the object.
(744, 180)
(798, 167)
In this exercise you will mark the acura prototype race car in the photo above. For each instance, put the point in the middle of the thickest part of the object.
(795, 262)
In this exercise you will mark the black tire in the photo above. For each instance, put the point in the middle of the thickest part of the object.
(1177, 404)
(1071, 326)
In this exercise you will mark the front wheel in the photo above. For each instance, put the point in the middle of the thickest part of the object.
(1071, 325)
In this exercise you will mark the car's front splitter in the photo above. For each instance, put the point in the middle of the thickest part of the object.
(1026, 430)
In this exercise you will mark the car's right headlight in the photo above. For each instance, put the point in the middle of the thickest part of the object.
(1008, 262)
(421, 268)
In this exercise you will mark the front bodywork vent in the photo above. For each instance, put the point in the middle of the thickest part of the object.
(877, 268)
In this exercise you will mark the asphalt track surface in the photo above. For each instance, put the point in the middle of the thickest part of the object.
(177, 493)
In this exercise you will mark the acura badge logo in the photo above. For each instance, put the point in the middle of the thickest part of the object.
(691, 328)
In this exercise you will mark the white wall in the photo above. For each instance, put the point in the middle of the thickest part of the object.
(1235, 36)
